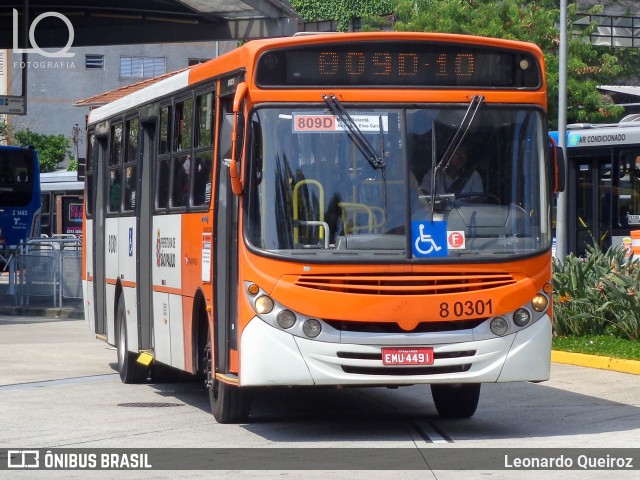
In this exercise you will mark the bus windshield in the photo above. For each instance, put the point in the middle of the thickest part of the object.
(16, 177)
(312, 191)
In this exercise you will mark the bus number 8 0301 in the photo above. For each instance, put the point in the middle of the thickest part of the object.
(468, 308)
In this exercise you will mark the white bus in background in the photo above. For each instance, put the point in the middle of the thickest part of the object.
(62, 196)
(603, 183)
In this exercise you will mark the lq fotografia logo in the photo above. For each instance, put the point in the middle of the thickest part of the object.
(62, 53)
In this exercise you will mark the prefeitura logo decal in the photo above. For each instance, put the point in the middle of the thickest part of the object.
(165, 258)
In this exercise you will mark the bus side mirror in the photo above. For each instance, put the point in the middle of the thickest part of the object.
(234, 174)
(558, 164)
(236, 183)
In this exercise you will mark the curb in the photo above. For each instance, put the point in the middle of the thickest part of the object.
(594, 361)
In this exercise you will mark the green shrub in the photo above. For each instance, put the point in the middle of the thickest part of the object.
(597, 294)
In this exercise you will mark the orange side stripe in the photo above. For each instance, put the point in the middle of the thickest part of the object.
(165, 289)
(125, 283)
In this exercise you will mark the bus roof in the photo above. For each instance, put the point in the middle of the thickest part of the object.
(60, 180)
(593, 135)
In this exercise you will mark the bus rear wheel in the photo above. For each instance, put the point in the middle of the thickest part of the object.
(229, 403)
(458, 400)
(130, 370)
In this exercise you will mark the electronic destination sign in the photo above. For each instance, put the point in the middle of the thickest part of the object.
(398, 64)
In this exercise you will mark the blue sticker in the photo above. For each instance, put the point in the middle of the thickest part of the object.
(573, 139)
(131, 242)
(429, 239)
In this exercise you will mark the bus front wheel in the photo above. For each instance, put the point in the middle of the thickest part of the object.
(458, 400)
(229, 403)
(130, 370)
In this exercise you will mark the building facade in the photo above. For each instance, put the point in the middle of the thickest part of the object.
(56, 84)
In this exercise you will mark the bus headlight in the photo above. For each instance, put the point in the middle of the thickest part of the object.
(499, 326)
(540, 303)
(263, 305)
(312, 328)
(521, 317)
(286, 319)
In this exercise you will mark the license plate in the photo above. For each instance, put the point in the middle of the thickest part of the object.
(407, 356)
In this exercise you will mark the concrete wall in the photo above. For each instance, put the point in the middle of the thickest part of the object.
(56, 84)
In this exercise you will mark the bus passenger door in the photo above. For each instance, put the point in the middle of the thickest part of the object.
(99, 243)
(583, 190)
(604, 186)
(225, 248)
(144, 210)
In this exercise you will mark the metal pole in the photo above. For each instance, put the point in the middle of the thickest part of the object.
(561, 211)
(25, 56)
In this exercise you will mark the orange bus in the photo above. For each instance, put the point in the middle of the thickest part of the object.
(295, 213)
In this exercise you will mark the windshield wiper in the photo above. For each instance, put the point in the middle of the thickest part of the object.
(354, 133)
(461, 132)
(454, 143)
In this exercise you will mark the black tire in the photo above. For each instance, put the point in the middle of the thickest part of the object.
(458, 400)
(130, 370)
(229, 403)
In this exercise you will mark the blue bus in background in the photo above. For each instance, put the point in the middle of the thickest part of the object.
(19, 197)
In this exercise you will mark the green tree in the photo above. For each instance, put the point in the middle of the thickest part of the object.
(537, 22)
(52, 149)
(5, 132)
(343, 11)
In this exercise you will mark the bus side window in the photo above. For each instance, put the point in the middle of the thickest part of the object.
(115, 170)
(115, 190)
(165, 130)
(164, 175)
(183, 125)
(130, 188)
(131, 160)
(45, 214)
(181, 176)
(164, 150)
(202, 179)
(205, 120)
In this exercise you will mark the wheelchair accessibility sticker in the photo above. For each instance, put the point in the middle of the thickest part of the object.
(429, 239)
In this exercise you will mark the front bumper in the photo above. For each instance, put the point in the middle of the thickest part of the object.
(271, 357)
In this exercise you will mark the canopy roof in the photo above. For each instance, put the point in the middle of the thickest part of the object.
(112, 22)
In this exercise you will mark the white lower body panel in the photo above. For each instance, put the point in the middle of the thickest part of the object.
(270, 357)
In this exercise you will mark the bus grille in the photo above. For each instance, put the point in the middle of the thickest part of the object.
(406, 370)
(387, 327)
(405, 283)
